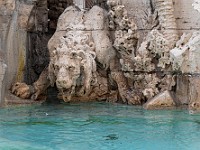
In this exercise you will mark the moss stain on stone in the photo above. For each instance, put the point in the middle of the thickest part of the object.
(21, 59)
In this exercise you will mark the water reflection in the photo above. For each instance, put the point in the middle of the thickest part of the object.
(98, 126)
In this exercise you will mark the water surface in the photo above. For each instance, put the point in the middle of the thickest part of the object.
(97, 126)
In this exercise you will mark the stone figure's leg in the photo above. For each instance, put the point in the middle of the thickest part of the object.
(41, 85)
(25, 91)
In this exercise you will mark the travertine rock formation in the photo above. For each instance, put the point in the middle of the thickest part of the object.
(145, 66)
(125, 29)
(152, 63)
(95, 55)
(185, 57)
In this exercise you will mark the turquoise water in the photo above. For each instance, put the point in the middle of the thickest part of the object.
(97, 126)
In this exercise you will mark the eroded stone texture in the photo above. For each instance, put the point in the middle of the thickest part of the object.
(185, 56)
(125, 29)
(3, 67)
(154, 46)
(87, 43)
(153, 54)
(150, 66)
(87, 62)
(82, 41)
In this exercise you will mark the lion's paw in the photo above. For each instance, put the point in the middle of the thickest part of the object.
(21, 90)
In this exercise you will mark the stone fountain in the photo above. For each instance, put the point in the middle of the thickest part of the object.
(98, 54)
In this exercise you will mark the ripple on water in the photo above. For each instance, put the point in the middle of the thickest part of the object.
(97, 126)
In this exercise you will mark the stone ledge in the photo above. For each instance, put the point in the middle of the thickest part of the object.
(12, 100)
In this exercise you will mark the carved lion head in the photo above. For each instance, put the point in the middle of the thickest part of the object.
(72, 69)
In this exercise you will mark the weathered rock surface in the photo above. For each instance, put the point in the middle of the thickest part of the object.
(3, 67)
(89, 62)
(185, 56)
(182, 89)
(15, 19)
(163, 100)
(194, 91)
(196, 5)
